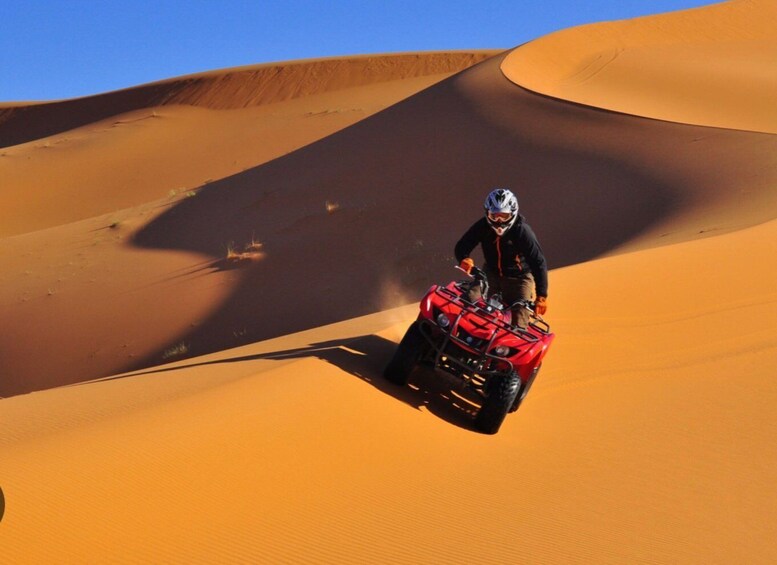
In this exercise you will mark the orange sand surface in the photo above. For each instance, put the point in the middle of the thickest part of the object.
(649, 438)
(715, 65)
(193, 341)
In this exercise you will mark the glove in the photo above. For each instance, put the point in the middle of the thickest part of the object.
(541, 305)
(466, 265)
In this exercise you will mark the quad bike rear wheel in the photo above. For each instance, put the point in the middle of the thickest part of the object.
(502, 393)
(407, 355)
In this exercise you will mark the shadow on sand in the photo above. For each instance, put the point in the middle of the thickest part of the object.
(365, 357)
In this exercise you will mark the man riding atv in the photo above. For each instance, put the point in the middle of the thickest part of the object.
(514, 262)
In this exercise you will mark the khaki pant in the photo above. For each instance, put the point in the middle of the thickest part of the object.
(512, 289)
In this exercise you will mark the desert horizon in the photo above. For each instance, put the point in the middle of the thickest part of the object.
(205, 277)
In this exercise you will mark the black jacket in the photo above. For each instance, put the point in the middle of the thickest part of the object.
(511, 255)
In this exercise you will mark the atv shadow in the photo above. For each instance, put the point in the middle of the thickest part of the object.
(365, 357)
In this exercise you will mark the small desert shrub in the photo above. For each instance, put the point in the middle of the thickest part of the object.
(232, 254)
(251, 252)
(254, 246)
(176, 351)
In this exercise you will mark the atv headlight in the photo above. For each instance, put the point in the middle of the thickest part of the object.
(443, 321)
(501, 350)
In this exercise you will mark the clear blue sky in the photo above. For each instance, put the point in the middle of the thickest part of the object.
(66, 48)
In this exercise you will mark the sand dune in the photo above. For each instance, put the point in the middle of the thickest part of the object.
(174, 136)
(436, 151)
(712, 66)
(196, 408)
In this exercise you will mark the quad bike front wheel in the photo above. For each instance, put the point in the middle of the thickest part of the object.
(525, 388)
(502, 393)
(407, 355)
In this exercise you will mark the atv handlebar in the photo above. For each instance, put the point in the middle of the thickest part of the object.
(529, 305)
(475, 272)
(522, 303)
(479, 276)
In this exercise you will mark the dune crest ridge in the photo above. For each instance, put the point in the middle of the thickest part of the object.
(713, 66)
(240, 87)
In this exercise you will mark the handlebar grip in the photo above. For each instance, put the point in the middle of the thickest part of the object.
(478, 273)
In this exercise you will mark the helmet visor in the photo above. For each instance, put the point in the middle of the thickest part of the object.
(500, 217)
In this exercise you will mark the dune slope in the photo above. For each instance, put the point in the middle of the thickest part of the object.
(713, 66)
(647, 439)
(76, 159)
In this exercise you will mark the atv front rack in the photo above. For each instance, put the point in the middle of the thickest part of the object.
(487, 314)
(473, 370)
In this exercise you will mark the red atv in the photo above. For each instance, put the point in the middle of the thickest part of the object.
(466, 333)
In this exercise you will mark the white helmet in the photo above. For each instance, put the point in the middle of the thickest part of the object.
(501, 210)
